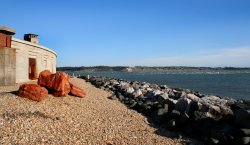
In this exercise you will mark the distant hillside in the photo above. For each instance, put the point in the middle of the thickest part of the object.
(145, 69)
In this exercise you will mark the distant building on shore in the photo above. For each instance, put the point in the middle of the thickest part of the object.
(23, 60)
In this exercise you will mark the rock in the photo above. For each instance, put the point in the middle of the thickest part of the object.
(136, 87)
(144, 86)
(43, 78)
(59, 94)
(124, 85)
(149, 89)
(33, 92)
(130, 90)
(198, 115)
(114, 82)
(164, 87)
(211, 98)
(243, 140)
(157, 92)
(202, 107)
(119, 96)
(171, 123)
(76, 91)
(242, 132)
(176, 114)
(58, 83)
(245, 131)
(133, 104)
(214, 112)
(162, 99)
(183, 104)
(242, 118)
(214, 141)
(160, 115)
(172, 100)
(193, 97)
(149, 95)
(163, 110)
(112, 97)
(181, 94)
(137, 93)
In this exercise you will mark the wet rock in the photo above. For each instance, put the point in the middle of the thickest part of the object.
(33, 92)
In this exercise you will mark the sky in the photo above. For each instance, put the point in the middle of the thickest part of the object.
(213, 33)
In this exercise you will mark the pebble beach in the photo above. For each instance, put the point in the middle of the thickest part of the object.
(94, 119)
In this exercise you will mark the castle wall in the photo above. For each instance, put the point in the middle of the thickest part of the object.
(45, 59)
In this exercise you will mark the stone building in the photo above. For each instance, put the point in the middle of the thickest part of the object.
(23, 60)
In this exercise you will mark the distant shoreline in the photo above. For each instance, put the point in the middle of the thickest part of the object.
(150, 69)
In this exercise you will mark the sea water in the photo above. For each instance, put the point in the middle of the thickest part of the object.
(235, 84)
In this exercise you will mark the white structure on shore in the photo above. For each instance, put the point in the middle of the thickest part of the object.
(23, 60)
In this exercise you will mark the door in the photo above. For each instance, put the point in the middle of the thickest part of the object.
(32, 69)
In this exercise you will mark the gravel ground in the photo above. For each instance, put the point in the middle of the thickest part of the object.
(71, 120)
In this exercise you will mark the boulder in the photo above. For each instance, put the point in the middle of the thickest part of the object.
(43, 79)
(59, 94)
(242, 118)
(33, 92)
(183, 104)
(157, 92)
(162, 98)
(57, 83)
(137, 93)
(193, 97)
(130, 90)
(75, 91)
(199, 115)
(61, 82)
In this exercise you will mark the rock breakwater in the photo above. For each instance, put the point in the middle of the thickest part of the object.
(210, 119)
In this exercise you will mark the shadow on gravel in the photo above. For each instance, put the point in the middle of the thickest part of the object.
(14, 92)
(12, 116)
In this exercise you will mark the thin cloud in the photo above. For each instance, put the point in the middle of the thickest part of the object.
(236, 57)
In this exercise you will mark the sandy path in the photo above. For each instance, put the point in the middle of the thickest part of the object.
(70, 120)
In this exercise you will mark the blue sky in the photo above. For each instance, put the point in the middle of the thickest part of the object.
(136, 32)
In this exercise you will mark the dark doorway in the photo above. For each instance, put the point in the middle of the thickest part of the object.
(32, 69)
